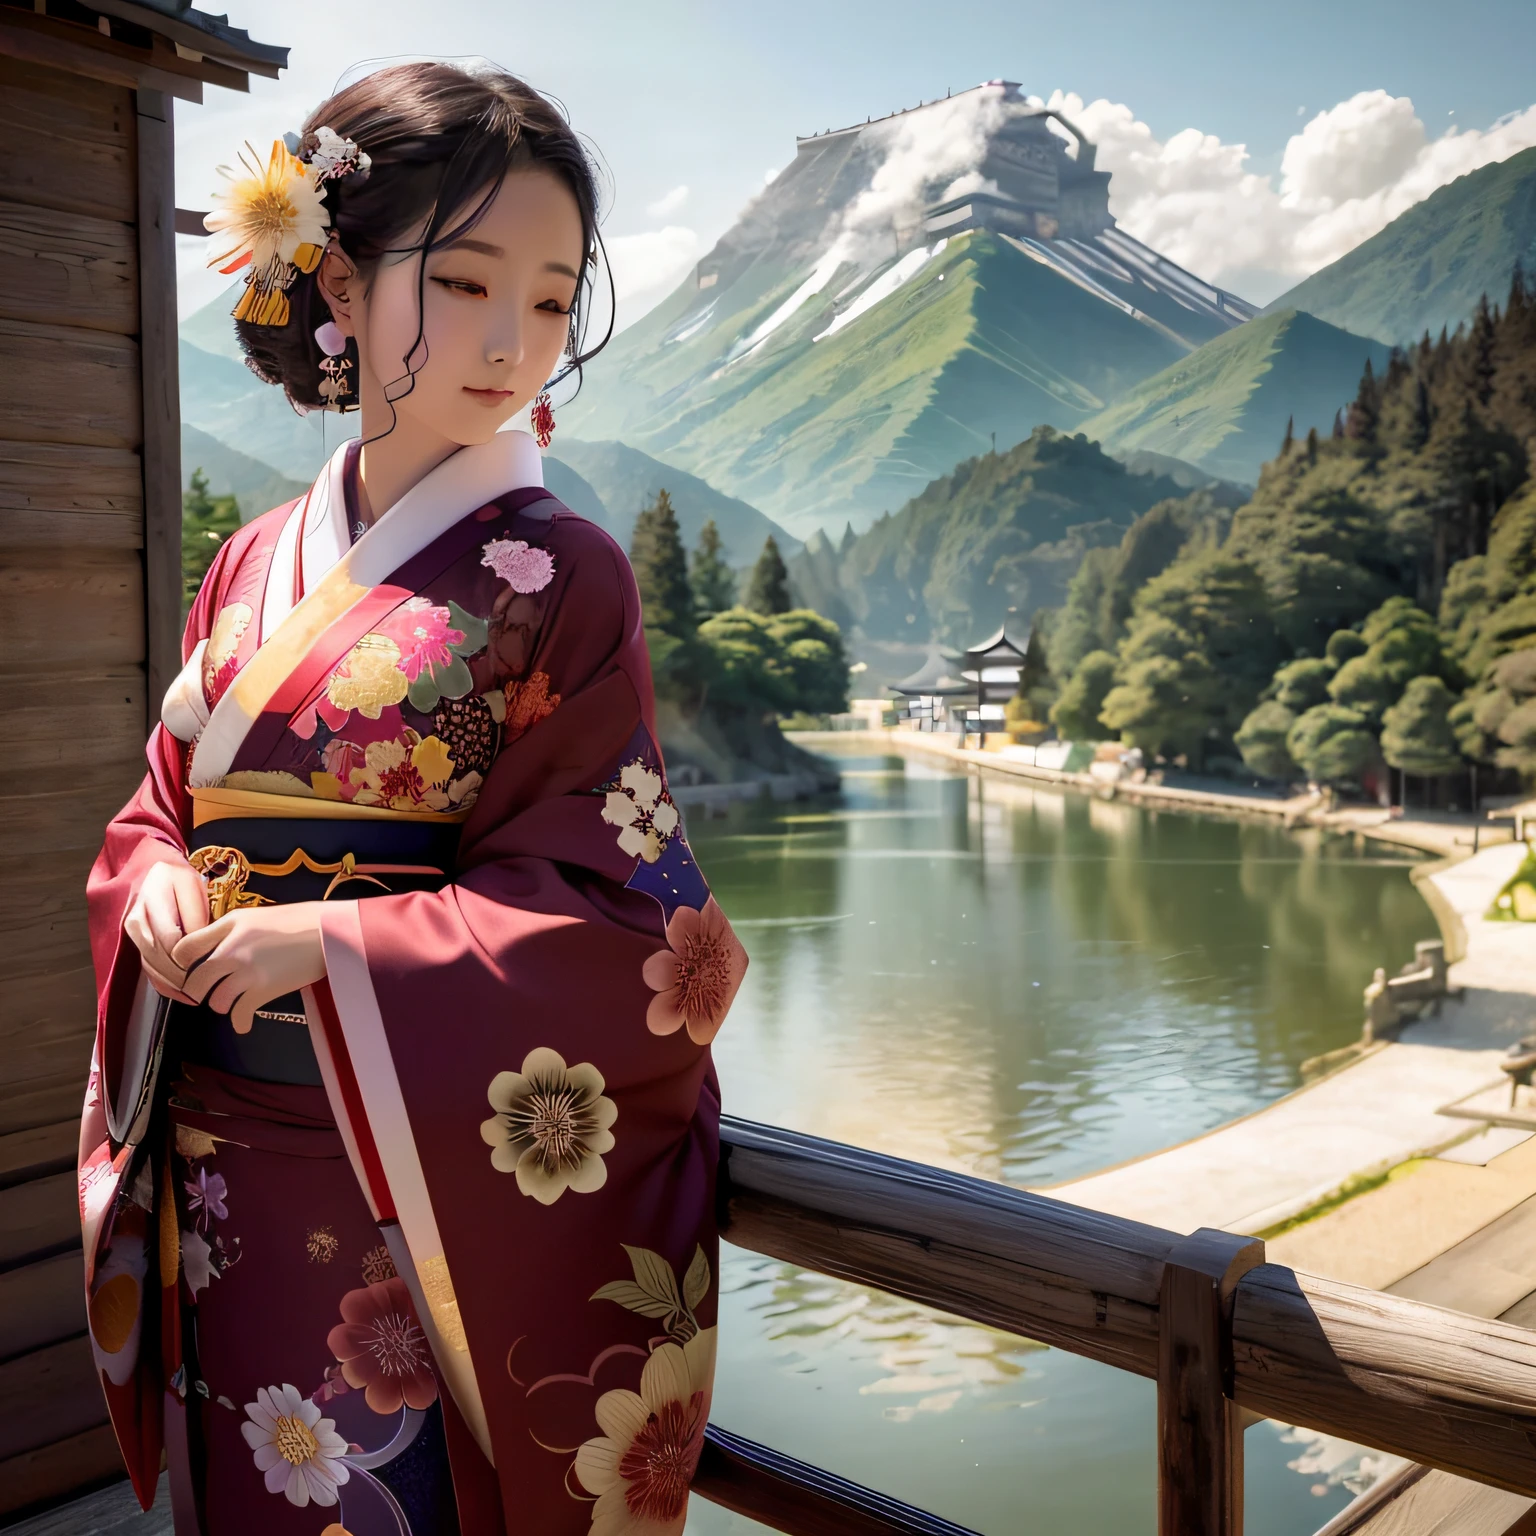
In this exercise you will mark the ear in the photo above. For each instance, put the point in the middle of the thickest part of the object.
(338, 282)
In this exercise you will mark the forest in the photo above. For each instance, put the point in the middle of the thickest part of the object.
(1372, 606)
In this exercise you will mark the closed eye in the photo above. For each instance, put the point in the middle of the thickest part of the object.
(553, 307)
(458, 285)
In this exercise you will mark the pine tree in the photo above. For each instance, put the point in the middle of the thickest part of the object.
(714, 583)
(206, 521)
(768, 590)
(1312, 442)
(1290, 436)
(1365, 409)
(1338, 425)
(661, 569)
(1482, 352)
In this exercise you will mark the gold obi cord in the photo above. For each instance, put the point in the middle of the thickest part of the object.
(226, 871)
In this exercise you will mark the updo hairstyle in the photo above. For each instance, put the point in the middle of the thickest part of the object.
(437, 135)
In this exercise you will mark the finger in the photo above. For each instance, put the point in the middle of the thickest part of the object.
(203, 978)
(162, 916)
(235, 983)
(167, 987)
(192, 904)
(192, 950)
(243, 1014)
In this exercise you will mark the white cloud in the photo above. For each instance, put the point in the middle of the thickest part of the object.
(668, 203)
(655, 259)
(1348, 173)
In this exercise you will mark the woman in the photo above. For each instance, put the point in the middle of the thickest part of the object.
(398, 1153)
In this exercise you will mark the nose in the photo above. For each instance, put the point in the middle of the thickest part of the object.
(504, 343)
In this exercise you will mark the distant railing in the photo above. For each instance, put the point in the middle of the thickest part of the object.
(1225, 1335)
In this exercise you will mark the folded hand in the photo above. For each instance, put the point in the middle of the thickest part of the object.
(251, 956)
(172, 903)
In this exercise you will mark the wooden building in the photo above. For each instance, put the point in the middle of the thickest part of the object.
(90, 613)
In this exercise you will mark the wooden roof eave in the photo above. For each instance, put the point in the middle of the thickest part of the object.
(218, 46)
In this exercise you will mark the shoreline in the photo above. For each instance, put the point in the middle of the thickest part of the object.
(1445, 835)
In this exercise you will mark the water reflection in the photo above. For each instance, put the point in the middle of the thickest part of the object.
(1026, 986)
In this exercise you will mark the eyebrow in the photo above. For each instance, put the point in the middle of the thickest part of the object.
(495, 252)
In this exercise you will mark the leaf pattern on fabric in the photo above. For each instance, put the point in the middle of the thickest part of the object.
(654, 1291)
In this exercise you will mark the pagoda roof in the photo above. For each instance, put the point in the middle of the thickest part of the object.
(933, 677)
(1000, 644)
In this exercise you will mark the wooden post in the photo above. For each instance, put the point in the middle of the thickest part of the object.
(161, 387)
(1199, 1429)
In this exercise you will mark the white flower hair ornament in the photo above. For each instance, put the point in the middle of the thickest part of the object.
(273, 221)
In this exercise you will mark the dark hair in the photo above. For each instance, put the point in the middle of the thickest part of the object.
(436, 135)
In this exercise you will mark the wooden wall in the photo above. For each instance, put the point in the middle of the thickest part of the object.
(83, 162)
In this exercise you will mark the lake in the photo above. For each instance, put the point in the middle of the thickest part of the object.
(1025, 985)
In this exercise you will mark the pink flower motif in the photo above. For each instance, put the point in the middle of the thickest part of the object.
(382, 1349)
(206, 1194)
(696, 979)
(424, 634)
(341, 757)
(521, 565)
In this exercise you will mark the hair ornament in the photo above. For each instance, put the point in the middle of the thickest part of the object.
(331, 157)
(272, 222)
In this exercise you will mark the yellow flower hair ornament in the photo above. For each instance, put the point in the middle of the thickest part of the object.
(272, 220)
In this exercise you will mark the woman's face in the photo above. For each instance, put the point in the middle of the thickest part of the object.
(494, 315)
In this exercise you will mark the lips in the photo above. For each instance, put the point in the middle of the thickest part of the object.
(489, 395)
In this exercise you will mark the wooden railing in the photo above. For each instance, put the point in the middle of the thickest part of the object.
(1226, 1336)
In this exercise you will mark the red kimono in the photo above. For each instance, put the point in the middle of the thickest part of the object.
(432, 1247)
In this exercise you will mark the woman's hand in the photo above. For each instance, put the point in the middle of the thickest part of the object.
(250, 956)
(172, 903)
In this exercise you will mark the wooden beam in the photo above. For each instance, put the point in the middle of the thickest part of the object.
(1199, 1435)
(802, 1500)
(37, 1221)
(41, 1304)
(57, 45)
(70, 1466)
(67, 269)
(1452, 1391)
(161, 391)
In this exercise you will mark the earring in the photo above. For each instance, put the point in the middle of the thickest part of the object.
(335, 365)
(542, 420)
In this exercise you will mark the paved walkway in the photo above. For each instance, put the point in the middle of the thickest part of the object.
(1379, 1112)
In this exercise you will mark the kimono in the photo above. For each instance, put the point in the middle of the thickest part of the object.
(432, 1248)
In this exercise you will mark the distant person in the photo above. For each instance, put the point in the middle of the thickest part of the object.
(400, 1140)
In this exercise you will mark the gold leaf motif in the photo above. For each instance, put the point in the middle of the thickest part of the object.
(321, 1244)
(228, 630)
(437, 1287)
(369, 680)
(193, 1144)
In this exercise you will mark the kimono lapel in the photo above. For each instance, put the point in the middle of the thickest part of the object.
(352, 587)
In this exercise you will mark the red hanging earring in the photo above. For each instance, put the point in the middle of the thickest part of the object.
(543, 420)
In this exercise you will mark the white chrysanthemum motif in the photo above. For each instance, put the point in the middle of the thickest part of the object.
(642, 810)
(523, 566)
(551, 1126)
(298, 1453)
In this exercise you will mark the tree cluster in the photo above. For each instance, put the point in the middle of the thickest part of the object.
(206, 521)
(763, 658)
(1374, 602)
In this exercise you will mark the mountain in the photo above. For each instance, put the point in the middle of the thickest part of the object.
(624, 480)
(902, 293)
(563, 481)
(1225, 406)
(257, 487)
(227, 401)
(999, 537)
(1430, 265)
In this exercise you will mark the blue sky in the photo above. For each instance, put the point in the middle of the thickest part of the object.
(709, 98)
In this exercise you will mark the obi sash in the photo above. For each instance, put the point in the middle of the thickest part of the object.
(250, 859)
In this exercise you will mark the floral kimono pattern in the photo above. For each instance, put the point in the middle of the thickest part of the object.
(461, 1276)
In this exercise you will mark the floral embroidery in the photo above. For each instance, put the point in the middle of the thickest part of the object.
(527, 703)
(378, 1266)
(642, 1464)
(298, 1453)
(470, 729)
(423, 633)
(219, 656)
(697, 977)
(551, 1126)
(523, 566)
(654, 1292)
(205, 1195)
(321, 1245)
(382, 1349)
(368, 679)
(643, 811)
(197, 1261)
(402, 776)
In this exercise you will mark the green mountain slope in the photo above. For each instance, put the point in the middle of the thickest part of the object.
(257, 487)
(998, 538)
(981, 339)
(626, 479)
(1225, 406)
(1429, 266)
